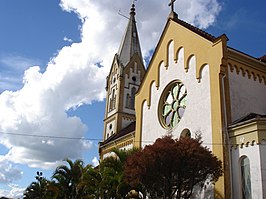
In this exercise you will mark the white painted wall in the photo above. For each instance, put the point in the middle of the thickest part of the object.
(253, 153)
(263, 166)
(197, 115)
(246, 95)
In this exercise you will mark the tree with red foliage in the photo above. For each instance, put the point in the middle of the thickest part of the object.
(172, 168)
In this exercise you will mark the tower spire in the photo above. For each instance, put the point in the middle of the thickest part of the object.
(130, 43)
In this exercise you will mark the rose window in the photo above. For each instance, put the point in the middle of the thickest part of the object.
(172, 104)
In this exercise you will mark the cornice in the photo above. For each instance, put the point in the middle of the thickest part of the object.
(248, 132)
(246, 66)
(118, 143)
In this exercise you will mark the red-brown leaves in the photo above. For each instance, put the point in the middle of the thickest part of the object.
(172, 167)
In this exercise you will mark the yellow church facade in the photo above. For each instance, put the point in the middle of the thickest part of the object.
(195, 83)
(221, 85)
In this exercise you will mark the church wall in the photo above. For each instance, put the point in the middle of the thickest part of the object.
(197, 115)
(247, 95)
(109, 154)
(110, 129)
(263, 166)
(205, 109)
(126, 122)
(253, 153)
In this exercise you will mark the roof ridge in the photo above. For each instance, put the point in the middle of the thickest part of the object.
(248, 117)
(128, 129)
(199, 31)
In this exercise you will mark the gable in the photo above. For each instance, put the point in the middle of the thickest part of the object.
(208, 50)
(187, 55)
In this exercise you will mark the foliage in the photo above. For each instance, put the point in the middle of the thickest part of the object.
(74, 180)
(39, 189)
(172, 168)
(111, 170)
(90, 183)
(167, 169)
(67, 177)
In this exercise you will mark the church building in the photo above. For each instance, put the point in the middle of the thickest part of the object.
(195, 83)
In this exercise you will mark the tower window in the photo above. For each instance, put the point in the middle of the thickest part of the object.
(112, 101)
(134, 78)
(128, 101)
(133, 92)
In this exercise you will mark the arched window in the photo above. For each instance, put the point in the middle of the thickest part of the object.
(128, 101)
(112, 101)
(133, 92)
(245, 178)
(185, 133)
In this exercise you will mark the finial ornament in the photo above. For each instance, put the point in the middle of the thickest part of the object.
(172, 5)
(132, 10)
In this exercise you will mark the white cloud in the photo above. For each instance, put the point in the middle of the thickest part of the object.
(12, 68)
(8, 173)
(73, 78)
(68, 39)
(17, 62)
(14, 191)
(201, 13)
(95, 162)
(10, 82)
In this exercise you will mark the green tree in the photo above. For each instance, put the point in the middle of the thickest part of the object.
(111, 170)
(39, 189)
(67, 178)
(90, 183)
(172, 168)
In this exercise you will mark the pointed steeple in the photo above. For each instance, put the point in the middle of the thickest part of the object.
(130, 43)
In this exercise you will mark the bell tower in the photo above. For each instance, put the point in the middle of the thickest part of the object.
(123, 81)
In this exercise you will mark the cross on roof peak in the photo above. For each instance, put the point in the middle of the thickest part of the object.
(172, 14)
(172, 5)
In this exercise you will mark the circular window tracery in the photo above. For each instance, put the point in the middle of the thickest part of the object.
(172, 104)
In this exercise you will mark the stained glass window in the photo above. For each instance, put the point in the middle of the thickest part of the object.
(172, 104)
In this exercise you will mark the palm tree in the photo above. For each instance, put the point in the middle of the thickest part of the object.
(112, 174)
(90, 183)
(39, 189)
(34, 190)
(68, 177)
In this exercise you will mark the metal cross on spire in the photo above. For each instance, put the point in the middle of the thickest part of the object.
(172, 5)
(133, 2)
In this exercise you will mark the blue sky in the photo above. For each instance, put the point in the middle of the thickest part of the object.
(50, 80)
